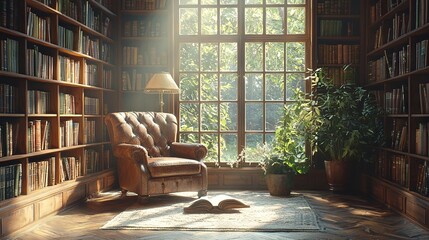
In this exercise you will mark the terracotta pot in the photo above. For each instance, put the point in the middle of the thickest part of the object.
(338, 174)
(279, 184)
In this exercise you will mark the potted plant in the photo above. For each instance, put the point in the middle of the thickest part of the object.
(349, 127)
(291, 151)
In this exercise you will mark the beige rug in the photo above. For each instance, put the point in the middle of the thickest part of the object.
(266, 214)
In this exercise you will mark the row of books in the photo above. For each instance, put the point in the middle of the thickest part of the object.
(422, 56)
(89, 131)
(382, 7)
(422, 139)
(38, 135)
(340, 76)
(69, 8)
(47, 2)
(70, 168)
(8, 98)
(334, 7)
(69, 69)
(39, 64)
(398, 135)
(422, 13)
(424, 98)
(329, 28)
(67, 103)
(378, 70)
(38, 102)
(144, 27)
(149, 55)
(143, 4)
(338, 54)
(394, 168)
(396, 101)
(92, 106)
(41, 174)
(422, 182)
(9, 55)
(9, 132)
(38, 26)
(90, 75)
(69, 133)
(385, 33)
(89, 45)
(10, 181)
(8, 14)
(93, 163)
(65, 38)
(107, 78)
(134, 81)
(106, 52)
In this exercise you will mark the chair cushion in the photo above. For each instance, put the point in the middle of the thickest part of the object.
(171, 166)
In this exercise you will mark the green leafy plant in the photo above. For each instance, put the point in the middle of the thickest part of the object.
(350, 125)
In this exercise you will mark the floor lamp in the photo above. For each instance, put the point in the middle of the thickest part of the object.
(162, 83)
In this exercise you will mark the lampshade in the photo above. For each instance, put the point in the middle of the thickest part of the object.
(161, 82)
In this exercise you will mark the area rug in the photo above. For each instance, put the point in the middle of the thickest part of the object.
(266, 214)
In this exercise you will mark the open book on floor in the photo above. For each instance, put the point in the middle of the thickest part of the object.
(215, 204)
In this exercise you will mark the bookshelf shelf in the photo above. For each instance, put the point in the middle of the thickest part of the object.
(53, 100)
(401, 171)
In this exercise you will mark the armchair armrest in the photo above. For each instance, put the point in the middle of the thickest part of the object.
(188, 150)
(133, 152)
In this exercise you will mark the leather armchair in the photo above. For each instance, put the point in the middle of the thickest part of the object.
(149, 160)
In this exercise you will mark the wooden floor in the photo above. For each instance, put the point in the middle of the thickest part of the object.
(341, 217)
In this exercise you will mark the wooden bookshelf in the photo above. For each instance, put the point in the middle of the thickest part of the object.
(145, 37)
(337, 39)
(398, 72)
(57, 72)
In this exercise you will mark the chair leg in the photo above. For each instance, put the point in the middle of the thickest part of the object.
(123, 193)
(202, 192)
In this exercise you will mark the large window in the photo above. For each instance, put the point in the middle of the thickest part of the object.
(237, 63)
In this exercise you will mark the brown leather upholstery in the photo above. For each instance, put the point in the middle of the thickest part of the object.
(149, 160)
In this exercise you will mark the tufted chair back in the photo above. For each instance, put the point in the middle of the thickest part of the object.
(151, 130)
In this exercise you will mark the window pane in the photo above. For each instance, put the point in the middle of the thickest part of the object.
(295, 56)
(294, 81)
(254, 21)
(248, 2)
(275, 20)
(189, 87)
(188, 21)
(189, 138)
(253, 140)
(274, 87)
(296, 20)
(269, 138)
(275, 1)
(274, 56)
(228, 116)
(208, 21)
(211, 142)
(228, 87)
(186, 2)
(228, 21)
(228, 57)
(209, 86)
(273, 113)
(228, 1)
(189, 117)
(209, 59)
(209, 117)
(254, 86)
(229, 148)
(189, 57)
(296, 1)
(208, 2)
(254, 56)
(254, 116)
